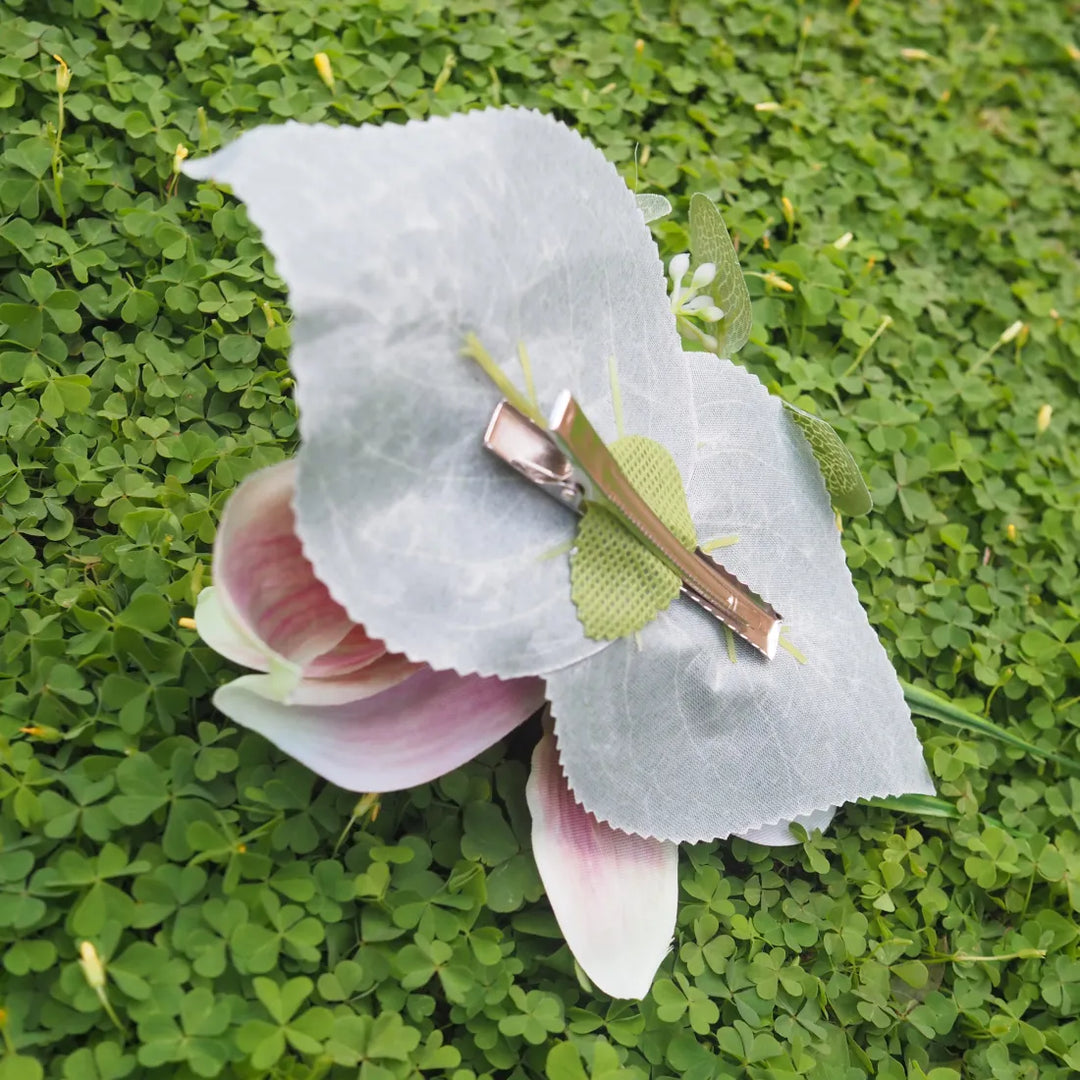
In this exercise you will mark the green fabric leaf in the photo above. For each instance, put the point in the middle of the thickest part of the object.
(847, 489)
(711, 243)
(616, 583)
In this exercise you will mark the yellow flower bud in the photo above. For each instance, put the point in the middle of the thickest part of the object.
(186, 624)
(789, 210)
(45, 732)
(775, 279)
(646, 153)
(63, 74)
(915, 54)
(93, 968)
(178, 157)
(1073, 51)
(1010, 531)
(326, 72)
(639, 46)
(1042, 420)
(767, 106)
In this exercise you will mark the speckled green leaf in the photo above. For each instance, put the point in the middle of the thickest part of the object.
(710, 242)
(847, 489)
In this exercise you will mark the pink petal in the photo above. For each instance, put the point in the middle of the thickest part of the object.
(615, 895)
(267, 586)
(372, 679)
(425, 726)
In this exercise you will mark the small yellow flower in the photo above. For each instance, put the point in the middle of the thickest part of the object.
(93, 968)
(639, 46)
(1042, 420)
(63, 74)
(1010, 532)
(179, 157)
(326, 72)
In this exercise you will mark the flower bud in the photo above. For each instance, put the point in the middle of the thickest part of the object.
(914, 54)
(178, 157)
(45, 733)
(1010, 531)
(789, 210)
(639, 46)
(842, 242)
(1042, 420)
(326, 72)
(93, 968)
(775, 279)
(703, 275)
(678, 266)
(63, 74)
(1011, 332)
(767, 106)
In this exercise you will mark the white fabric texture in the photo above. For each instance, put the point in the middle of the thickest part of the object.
(664, 736)
(395, 242)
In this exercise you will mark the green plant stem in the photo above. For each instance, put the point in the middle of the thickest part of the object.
(57, 158)
(924, 703)
(883, 326)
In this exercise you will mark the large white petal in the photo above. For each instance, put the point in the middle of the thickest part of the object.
(615, 895)
(395, 242)
(663, 735)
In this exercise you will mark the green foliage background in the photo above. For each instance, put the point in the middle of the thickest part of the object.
(250, 929)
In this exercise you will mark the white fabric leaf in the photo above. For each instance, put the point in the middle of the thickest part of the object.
(664, 736)
(395, 242)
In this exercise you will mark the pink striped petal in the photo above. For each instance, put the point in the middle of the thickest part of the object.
(425, 726)
(615, 895)
(372, 679)
(267, 586)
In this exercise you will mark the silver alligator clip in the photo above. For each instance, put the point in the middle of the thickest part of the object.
(572, 464)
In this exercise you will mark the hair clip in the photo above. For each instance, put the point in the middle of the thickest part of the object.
(571, 463)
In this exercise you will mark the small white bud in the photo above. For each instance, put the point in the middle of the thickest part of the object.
(1010, 333)
(1042, 420)
(703, 276)
(678, 266)
(842, 242)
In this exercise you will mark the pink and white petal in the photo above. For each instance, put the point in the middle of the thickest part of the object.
(416, 731)
(780, 834)
(615, 895)
(266, 583)
(356, 650)
(372, 679)
(225, 634)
